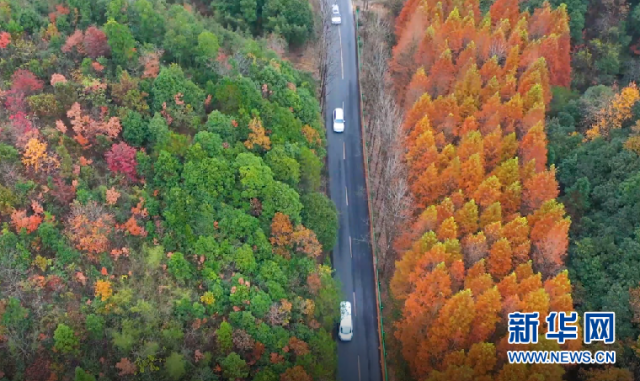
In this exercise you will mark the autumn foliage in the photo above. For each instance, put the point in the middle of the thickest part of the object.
(257, 136)
(89, 227)
(20, 220)
(159, 217)
(284, 237)
(5, 40)
(86, 128)
(121, 158)
(618, 110)
(95, 42)
(35, 156)
(488, 237)
(103, 290)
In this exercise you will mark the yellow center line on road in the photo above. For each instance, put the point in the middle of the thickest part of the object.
(359, 375)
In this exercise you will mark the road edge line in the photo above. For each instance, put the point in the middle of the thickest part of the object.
(365, 158)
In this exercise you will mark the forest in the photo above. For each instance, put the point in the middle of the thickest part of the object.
(519, 149)
(162, 194)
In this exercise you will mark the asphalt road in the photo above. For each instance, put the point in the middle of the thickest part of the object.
(358, 360)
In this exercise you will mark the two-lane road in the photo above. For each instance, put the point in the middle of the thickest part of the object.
(358, 360)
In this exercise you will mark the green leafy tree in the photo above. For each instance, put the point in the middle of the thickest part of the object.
(135, 130)
(29, 20)
(63, 25)
(210, 179)
(116, 9)
(233, 367)
(310, 170)
(284, 167)
(159, 133)
(291, 18)
(223, 336)
(244, 259)
(221, 124)
(241, 14)
(175, 366)
(125, 338)
(181, 38)
(170, 82)
(65, 339)
(254, 176)
(95, 325)
(328, 301)
(260, 304)
(89, 12)
(186, 310)
(279, 197)
(167, 170)
(265, 375)
(179, 267)
(8, 153)
(320, 215)
(45, 105)
(147, 23)
(211, 143)
(120, 41)
(14, 314)
(81, 375)
(207, 46)
(236, 96)
(324, 351)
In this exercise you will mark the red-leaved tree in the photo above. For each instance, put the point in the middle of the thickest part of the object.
(25, 82)
(74, 41)
(5, 40)
(121, 158)
(95, 43)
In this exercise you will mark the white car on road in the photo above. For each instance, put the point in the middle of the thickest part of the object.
(338, 120)
(345, 332)
(335, 15)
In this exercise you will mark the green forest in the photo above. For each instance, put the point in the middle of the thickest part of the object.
(162, 194)
(599, 174)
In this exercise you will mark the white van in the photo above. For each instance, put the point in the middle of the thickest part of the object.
(338, 120)
(345, 331)
(335, 15)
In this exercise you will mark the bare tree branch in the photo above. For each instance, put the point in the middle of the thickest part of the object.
(390, 195)
(325, 49)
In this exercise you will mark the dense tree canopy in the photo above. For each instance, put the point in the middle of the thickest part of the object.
(599, 177)
(158, 208)
(488, 237)
(293, 19)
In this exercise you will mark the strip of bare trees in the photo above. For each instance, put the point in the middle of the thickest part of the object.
(389, 190)
(325, 52)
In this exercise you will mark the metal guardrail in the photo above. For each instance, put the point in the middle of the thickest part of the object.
(383, 351)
